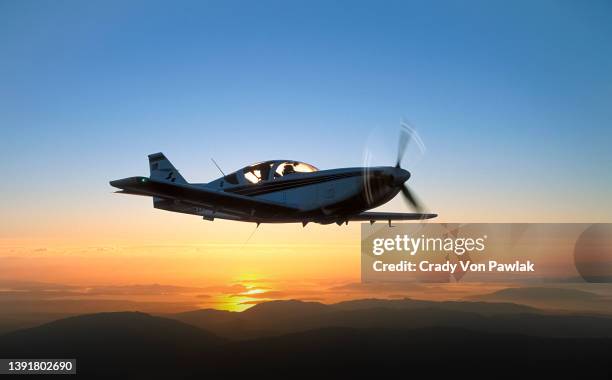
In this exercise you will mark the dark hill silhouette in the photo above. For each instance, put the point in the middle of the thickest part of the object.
(63, 335)
(427, 351)
(135, 345)
(216, 319)
(485, 308)
(122, 338)
(268, 318)
(285, 310)
(210, 315)
(284, 317)
(551, 298)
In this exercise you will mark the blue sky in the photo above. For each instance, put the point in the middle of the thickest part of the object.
(512, 99)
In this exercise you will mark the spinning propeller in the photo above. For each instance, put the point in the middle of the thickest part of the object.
(374, 180)
(407, 134)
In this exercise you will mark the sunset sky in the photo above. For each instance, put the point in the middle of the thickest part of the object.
(512, 100)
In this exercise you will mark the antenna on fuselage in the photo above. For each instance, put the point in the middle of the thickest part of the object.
(218, 167)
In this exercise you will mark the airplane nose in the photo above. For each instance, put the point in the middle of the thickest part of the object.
(400, 176)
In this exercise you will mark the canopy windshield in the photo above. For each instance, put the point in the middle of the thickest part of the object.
(293, 167)
(268, 170)
(258, 172)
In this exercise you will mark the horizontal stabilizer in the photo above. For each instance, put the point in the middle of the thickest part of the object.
(130, 192)
(203, 197)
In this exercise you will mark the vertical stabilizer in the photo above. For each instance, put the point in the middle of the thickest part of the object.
(163, 170)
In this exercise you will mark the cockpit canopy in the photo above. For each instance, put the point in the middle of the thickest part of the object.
(269, 170)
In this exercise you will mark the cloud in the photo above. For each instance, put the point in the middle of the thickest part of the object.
(82, 306)
(21, 289)
(273, 294)
(226, 289)
(253, 302)
(33, 285)
(376, 287)
(36, 294)
(141, 290)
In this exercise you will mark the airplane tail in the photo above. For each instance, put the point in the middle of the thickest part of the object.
(163, 170)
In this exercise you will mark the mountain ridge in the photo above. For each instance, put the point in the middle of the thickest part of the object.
(154, 347)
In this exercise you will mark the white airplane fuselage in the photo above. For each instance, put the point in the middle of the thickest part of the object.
(321, 196)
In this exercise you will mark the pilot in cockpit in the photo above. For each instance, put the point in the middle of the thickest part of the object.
(288, 169)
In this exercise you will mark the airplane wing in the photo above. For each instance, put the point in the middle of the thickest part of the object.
(200, 196)
(374, 216)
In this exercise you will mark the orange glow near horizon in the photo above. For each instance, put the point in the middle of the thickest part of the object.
(203, 264)
(218, 258)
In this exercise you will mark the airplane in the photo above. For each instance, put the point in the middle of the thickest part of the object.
(280, 191)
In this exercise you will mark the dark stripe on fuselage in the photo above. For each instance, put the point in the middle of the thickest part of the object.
(272, 186)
